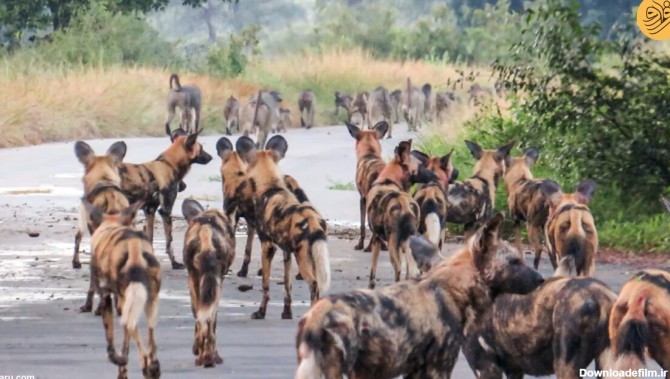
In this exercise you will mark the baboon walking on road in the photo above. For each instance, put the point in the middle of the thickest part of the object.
(380, 108)
(306, 105)
(231, 112)
(185, 98)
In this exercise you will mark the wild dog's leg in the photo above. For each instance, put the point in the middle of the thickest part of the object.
(150, 215)
(168, 198)
(517, 234)
(92, 286)
(306, 269)
(287, 314)
(108, 323)
(412, 269)
(361, 241)
(534, 238)
(193, 291)
(375, 242)
(153, 369)
(217, 358)
(251, 231)
(394, 254)
(125, 349)
(267, 252)
(77, 242)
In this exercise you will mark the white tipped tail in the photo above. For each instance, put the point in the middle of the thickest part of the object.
(135, 299)
(433, 228)
(322, 263)
(308, 368)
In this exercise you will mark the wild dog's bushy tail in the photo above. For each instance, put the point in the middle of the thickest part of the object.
(630, 340)
(310, 332)
(135, 297)
(407, 222)
(175, 78)
(431, 221)
(209, 277)
(321, 259)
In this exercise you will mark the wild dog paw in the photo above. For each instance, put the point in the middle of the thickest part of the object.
(76, 264)
(287, 315)
(177, 266)
(86, 308)
(153, 371)
(299, 277)
(217, 358)
(243, 272)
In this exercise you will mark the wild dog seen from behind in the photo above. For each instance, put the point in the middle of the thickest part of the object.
(571, 235)
(209, 250)
(283, 221)
(123, 265)
(412, 329)
(186, 98)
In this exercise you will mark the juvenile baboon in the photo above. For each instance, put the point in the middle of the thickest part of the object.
(427, 90)
(412, 103)
(231, 112)
(262, 118)
(342, 100)
(395, 106)
(284, 120)
(443, 102)
(478, 94)
(359, 109)
(380, 108)
(183, 97)
(306, 105)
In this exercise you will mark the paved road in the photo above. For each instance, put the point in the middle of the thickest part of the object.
(41, 332)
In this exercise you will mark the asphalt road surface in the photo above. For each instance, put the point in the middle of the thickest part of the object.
(43, 335)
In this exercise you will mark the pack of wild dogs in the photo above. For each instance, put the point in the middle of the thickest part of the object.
(483, 300)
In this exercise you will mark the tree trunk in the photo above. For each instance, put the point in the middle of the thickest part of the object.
(208, 13)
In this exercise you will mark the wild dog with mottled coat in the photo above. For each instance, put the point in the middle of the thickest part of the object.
(231, 112)
(472, 200)
(640, 322)
(369, 164)
(559, 328)
(123, 265)
(570, 231)
(185, 98)
(307, 107)
(380, 109)
(238, 199)
(281, 220)
(526, 200)
(412, 329)
(102, 186)
(156, 183)
(209, 250)
(393, 215)
(432, 196)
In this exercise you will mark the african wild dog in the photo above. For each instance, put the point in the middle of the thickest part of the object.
(432, 196)
(472, 200)
(559, 328)
(238, 196)
(185, 98)
(231, 112)
(157, 182)
(526, 200)
(640, 322)
(570, 231)
(123, 265)
(380, 109)
(342, 100)
(307, 107)
(369, 165)
(209, 250)
(412, 329)
(393, 215)
(281, 220)
(102, 186)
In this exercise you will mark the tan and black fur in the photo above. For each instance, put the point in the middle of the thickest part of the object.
(559, 328)
(209, 250)
(369, 164)
(413, 329)
(472, 200)
(231, 112)
(640, 322)
(307, 107)
(283, 221)
(393, 215)
(123, 265)
(526, 201)
(380, 109)
(102, 186)
(185, 98)
(570, 231)
(157, 182)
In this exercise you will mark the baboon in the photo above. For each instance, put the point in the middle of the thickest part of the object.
(412, 103)
(395, 106)
(262, 118)
(444, 101)
(427, 90)
(380, 108)
(343, 100)
(359, 109)
(183, 97)
(284, 120)
(478, 94)
(307, 105)
(231, 112)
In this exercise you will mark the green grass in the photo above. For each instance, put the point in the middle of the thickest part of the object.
(214, 178)
(342, 186)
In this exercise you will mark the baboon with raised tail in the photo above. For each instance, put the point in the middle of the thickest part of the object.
(185, 98)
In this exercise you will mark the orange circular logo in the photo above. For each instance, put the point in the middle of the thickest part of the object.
(653, 19)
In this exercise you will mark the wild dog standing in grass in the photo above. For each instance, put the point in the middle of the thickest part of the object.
(123, 265)
(369, 165)
(570, 231)
(559, 328)
(156, 183)
(393, 215)
(526, 200)
(297, 228)
(307, 107)
(432, 196)
(472, 200)
(185, 98)
(231, 112)
(380, 109)
(238, 195)
(209, 250)
(412, 329)
(102, 186)
(640, 322)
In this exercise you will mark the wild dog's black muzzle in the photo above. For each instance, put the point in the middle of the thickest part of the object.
(202, 158)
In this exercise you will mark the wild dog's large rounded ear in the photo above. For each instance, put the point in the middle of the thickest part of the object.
(422, 157)
(445, 160)
(503, 151)
(83, 151)
(530, 155)
(354, 130)
(585, 191)
(94, 213)
(551, 192)
(224, 147)
(190, 140)
(117, 151)
(475, 149)
(128, 214)
(454, 175)
(278, 145)
(381, 128)
(484, 239)
(666, 202)
(246, 147)
(403, 149)
(190, 209)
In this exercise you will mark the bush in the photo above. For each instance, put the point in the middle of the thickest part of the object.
(229, 59)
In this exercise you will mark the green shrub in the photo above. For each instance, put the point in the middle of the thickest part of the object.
(230, 59)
